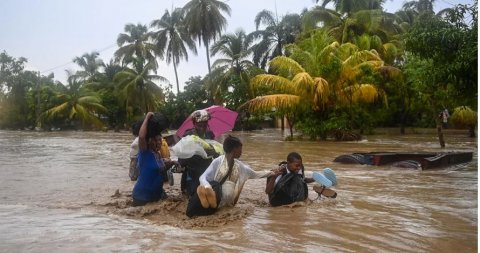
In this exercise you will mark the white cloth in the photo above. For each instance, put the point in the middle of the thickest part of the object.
(233, 186)
(134, 148)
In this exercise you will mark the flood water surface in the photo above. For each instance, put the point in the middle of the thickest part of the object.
(70, 192)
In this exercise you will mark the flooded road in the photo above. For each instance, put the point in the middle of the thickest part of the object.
(54, 187)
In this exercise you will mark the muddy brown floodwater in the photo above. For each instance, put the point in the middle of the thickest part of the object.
(70, 192)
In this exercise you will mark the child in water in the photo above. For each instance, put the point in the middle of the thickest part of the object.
(288, 183)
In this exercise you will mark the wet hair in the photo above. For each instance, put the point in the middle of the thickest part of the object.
(136, 127)
(156, 125)
(230, 143)
(294, 156)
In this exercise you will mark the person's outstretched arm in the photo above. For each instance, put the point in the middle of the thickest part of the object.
(270, 175)
(251, 174)
(142, 134)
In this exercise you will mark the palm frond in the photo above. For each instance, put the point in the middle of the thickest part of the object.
(264, 104)
(346, 50)
(367, 93)
(326, 17)
(272, 81)
(361, 57)
(389, 72)
(57, 111)
(285, 66)
(321, 93)
(89, 99)
(264, 17)
(86, 116)
(221, 63)
(304, 84)
(391, 52)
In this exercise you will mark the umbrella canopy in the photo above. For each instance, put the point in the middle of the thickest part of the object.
(221, 120)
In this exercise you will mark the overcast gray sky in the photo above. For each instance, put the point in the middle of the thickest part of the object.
(50, 33)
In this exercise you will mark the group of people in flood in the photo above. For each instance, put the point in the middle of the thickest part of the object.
(213, 176)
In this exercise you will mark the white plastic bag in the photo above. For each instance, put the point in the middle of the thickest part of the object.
(192, 145)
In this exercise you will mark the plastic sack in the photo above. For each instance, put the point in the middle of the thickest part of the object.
(192, 145)
(228, 193)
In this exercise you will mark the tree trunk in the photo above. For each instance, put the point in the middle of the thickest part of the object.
(176, 76)
(144, 97)
(282, 123)
(290, 125)
(208, 58)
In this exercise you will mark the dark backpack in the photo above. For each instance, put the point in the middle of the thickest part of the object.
(290, 188)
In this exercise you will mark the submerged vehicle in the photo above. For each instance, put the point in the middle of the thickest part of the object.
(421, 161)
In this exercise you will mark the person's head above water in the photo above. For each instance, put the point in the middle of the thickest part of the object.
(200, 116)
(200, 120)
(294, 162)
(233, 145)
(157, 123)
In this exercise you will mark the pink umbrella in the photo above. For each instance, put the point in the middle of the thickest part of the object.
(221, 121)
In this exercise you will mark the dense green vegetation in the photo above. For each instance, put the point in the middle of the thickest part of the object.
(330, 72)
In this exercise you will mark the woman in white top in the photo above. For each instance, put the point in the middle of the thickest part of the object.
(231, 171)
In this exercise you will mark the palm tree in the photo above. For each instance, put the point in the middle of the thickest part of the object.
(420, 6)
(374, 22)
(274, 36)
(406, 17)
(104, 81)
(90, 65)
(205, 21)
(107, 89)
(294, 90)
(368, 29)
(236, 62)
(342, 65)
(350, 6)
(354, 63)
(76, 103)
(171, 38)
(135, 46)
(338, 84)
(137, 89)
